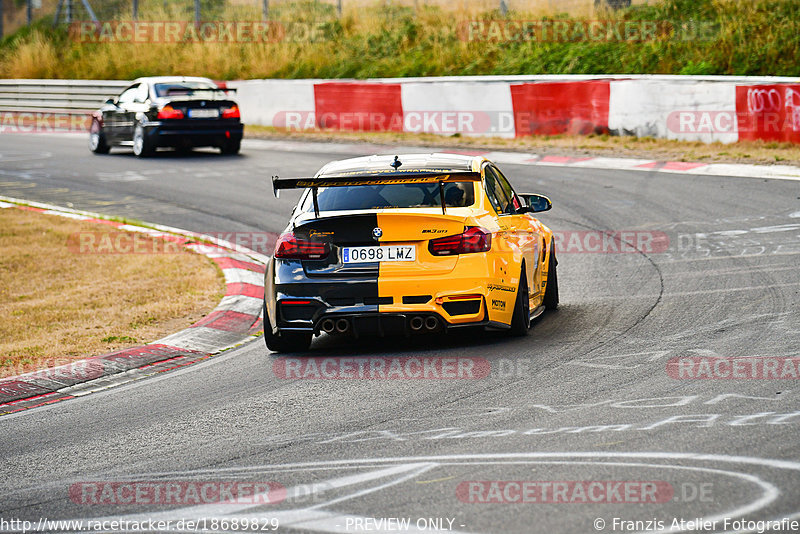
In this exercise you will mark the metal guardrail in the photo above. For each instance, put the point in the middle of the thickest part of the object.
(57, 96)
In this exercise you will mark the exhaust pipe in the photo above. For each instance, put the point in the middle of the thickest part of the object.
(328, 326)
(416, 323)
(342, 326)
(431, 323)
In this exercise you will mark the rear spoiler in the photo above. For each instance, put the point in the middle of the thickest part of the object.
(377, 177)
(182, 91)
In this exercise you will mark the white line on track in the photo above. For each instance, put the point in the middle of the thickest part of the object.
(311, 518)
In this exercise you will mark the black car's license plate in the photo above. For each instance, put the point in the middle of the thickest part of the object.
(203, 113)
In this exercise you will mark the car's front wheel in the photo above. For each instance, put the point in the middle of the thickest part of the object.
(142, 146)
(97, 139)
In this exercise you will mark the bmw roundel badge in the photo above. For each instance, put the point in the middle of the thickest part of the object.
(377, 232)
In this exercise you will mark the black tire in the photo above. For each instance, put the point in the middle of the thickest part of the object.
(284, 341)
(97, 139)
(142, 146)
(521, 320)
(550, 300)
(231, 148)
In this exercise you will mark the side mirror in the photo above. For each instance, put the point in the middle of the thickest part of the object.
(535, 203)
(112, 101)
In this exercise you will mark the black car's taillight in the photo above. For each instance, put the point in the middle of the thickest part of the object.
(290, 247)
(474, 239)
(168, 112)
(231, 112)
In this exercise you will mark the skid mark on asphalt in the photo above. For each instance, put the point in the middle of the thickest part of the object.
(604, 298)
(10, 156)
(126, 176)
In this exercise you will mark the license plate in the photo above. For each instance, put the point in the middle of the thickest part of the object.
(204, 113)
(377, 254)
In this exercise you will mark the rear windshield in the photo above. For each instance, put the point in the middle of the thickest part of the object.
(184, 88)
(366, 197)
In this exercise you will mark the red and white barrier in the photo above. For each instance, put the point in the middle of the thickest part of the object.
(708, 109)
(686, 111)
(579, 107)
(769, 112)
(465, 107)
(690, 108)
(266, 102)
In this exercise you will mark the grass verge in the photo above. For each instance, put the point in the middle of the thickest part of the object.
(755, 152)
(57, 305)
(752, 37)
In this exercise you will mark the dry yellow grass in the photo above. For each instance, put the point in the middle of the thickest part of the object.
(35, 58)
(757, 152)
(57, 305)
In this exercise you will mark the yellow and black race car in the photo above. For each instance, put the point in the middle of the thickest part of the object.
(412, 244)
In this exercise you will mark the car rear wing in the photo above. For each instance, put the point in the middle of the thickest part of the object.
(172, 91)
(376, 177)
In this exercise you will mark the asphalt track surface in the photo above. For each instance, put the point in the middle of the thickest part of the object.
(586, 396)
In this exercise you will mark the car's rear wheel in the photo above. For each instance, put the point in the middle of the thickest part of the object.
(550, 300)
(229, 148)
(97, 139)
(142, 146)
(521, 320)
(285, 341)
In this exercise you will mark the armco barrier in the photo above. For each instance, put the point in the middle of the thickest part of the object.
(57, 96)
(690, 108)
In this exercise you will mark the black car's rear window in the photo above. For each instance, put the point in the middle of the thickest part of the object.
(365, 197)
(184, 88)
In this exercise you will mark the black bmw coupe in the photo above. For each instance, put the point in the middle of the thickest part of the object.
(167, 111)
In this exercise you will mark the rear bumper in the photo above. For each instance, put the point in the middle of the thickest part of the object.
(361, 323)
(296, 302)
(202, 133)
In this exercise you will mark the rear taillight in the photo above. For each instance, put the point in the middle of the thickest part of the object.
(474, 239)
(290, 248)
(168, 112)
(230, 113)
